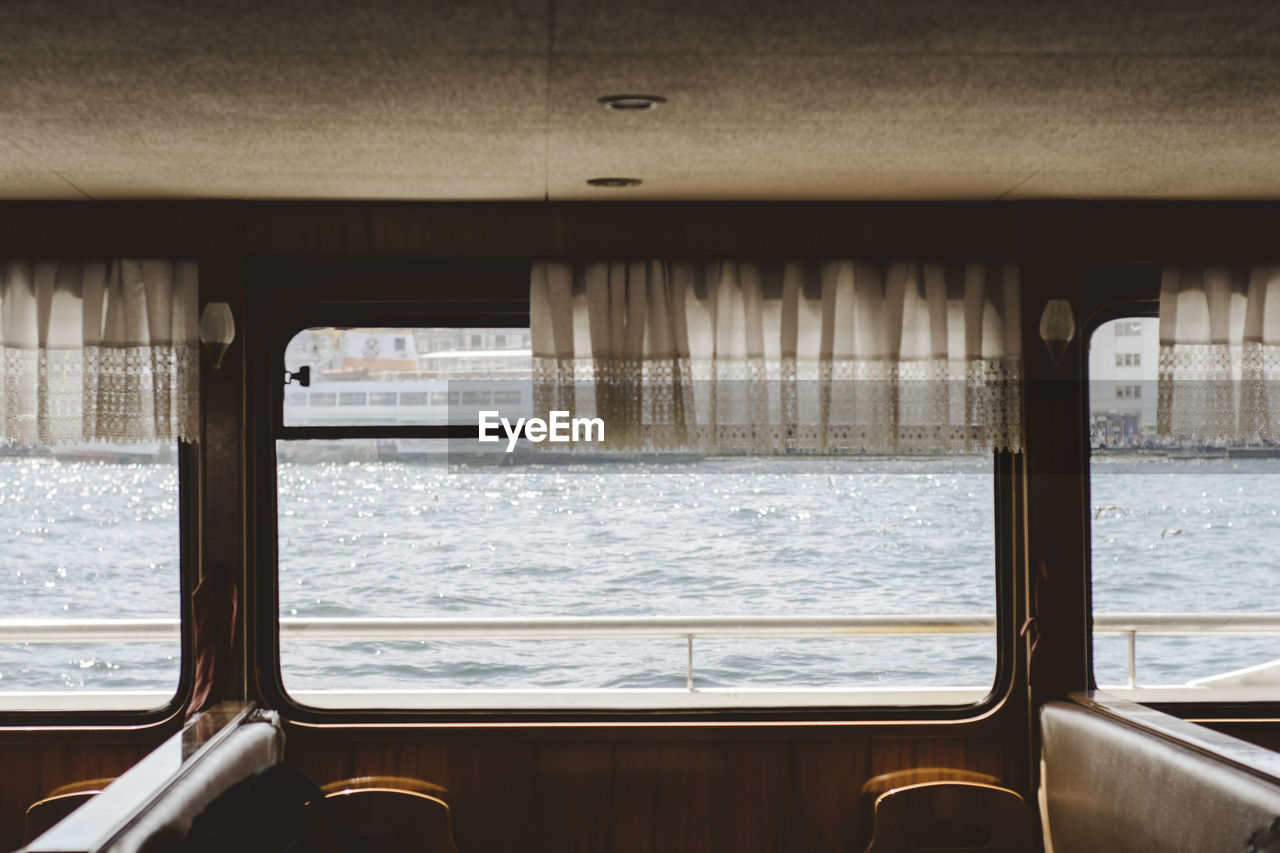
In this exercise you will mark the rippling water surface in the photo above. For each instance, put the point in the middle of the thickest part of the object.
(1185, 535)
(87, 540)
(754, 537)
(751, 537)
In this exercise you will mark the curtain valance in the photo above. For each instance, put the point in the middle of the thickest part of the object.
(1219, 353)
(104, 350)
(807, 357)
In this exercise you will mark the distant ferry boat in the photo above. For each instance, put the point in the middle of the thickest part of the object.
(106, 451)
(376, 378)
(411, 398)
(405, 398)
(97, 451)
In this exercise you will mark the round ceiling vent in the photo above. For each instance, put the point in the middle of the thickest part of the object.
(614, 182)
(631, 103)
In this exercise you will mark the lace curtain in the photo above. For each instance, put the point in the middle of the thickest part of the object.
(803, 357)
(98, 351)
(1219, 353)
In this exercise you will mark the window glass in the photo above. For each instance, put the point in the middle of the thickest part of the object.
(544, 580)
(89, 534)
(1185, 542)
(395, 532)
(361, 371)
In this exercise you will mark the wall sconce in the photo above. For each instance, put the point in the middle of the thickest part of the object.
(1057, 328)
(217, 331)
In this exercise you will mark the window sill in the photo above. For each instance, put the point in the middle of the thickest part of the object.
(643, 700)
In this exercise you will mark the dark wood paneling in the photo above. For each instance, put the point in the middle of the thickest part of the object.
(630, 230)
(1067, 231)
(516, 789)
(1064, 231)
(34, 763)
(559, 793)
(412, 230)
(87, 230)
(222, 516)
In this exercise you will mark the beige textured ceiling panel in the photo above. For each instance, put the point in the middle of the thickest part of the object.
(1124, 27)
(298, 184)
(1030, 90)
(209, 146)
(485, 90)
(497, 98)
(889, 147)
(798, 187)
(1118, 184)
(42, 185)
(1172, 148)
(220, 27)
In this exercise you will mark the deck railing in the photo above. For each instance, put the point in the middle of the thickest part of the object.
(632, 627)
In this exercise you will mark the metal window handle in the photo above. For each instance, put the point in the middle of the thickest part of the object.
(303, 376)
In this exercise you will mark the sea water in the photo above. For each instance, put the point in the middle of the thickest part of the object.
(710, 537)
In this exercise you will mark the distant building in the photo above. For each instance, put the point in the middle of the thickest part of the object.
(1123, 368)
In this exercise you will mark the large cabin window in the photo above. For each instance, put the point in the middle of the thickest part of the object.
(100, 367)
(1185, 539)
(420, 568)
(90, 576)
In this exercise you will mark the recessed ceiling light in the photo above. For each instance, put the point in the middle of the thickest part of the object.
(614, 182)
(631, 103)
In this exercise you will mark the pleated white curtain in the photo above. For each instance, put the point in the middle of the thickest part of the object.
(804, 357)
(98, 351)
(1219, 353)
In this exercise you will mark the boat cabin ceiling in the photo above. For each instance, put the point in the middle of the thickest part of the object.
(401, 168)
(499, 100)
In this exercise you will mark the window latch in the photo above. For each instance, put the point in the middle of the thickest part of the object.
(303, 376)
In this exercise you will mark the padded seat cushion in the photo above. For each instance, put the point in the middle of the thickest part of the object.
(1110, 787)
(249, 747)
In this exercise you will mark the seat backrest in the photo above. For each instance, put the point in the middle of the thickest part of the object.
(398, 783)
(1108, 785)
(44, 813)
(953, 816)
(415, 820)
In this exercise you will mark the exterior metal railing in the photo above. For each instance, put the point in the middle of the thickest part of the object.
(626, 627)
